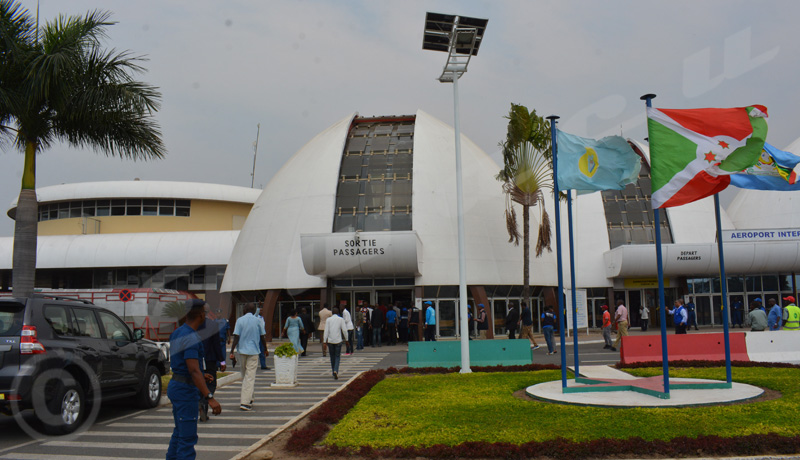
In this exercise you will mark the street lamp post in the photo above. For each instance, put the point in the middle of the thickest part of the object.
(460, 37)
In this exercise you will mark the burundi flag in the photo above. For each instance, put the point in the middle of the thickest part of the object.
(775, 170)
(591, 165)
(693, 152)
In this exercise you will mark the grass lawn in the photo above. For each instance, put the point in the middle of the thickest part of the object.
(424, 410)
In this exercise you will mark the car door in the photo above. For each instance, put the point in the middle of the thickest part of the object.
(92, 345)
(121, 344)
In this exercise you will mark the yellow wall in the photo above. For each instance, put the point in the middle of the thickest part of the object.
(204, 216)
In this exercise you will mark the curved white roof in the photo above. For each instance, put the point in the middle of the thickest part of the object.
(144, 189)
(756, 209)
(128, 249)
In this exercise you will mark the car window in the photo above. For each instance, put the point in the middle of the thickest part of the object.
(115, 329)
(11, 319)
(58, 317)
(87, 323)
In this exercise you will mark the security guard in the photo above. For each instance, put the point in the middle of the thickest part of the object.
(188, 383)
(792, 322)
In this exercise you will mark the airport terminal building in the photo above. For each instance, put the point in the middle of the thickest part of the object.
(365, 212)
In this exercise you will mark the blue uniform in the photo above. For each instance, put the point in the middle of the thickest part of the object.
(184, 344)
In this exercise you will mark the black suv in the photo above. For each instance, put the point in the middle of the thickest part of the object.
(61, 357)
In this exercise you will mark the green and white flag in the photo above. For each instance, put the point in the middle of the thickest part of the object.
(693, 152)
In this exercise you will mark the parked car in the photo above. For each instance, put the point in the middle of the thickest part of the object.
(61, 356)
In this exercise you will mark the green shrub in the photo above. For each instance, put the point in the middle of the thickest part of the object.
(285, 351)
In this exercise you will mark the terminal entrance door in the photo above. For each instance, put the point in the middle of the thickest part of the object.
(447, 321)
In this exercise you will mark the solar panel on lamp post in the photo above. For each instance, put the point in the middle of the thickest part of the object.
(460, 37)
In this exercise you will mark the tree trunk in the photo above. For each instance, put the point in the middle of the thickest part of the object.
(26, 228)
(526, 254)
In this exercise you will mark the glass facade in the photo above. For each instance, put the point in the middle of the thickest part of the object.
(374, 190)
(705, 292)
(629, 214)
(118, 207)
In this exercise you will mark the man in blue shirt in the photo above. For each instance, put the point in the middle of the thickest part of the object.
(391, 323)
(249, 335)
(188, 383)
(775, 315)
(430, 322)
(737, 310)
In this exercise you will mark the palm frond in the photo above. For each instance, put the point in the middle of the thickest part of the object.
(544, 238)
(511, 226)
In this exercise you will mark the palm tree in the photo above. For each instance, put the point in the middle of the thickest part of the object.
(58, 84)
(526, 175)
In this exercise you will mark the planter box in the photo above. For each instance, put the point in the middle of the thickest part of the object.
(285, 372)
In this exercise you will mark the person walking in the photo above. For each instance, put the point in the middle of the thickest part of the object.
(680, 317)
(262, 346)
(376, 320)
(548, 327)
(430, 322)
(792, 315)
(526, 319)
(737, 310)
(292, 330)
(348, 322)
(403, 328)
(606, 327)
(774, 315)
(324, 314)
(621, 320)
(391, 325)
(248, 335)
(512, 319)
(757, 316)
(308, 329)
(644, 314)
(189, 383)
(367, 326)
(413, 324)
(359, 328)
(335, 334)
(214, 355)
(691, 316)
(483, 322)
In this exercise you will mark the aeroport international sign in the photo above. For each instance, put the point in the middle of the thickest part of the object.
(781, 234)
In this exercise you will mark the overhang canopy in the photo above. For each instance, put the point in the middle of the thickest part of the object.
(701, 259)
(128, 250)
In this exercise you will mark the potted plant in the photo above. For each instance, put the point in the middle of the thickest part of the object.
(285, 365)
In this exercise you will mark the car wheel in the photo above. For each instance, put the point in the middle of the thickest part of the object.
(65, 406)
(150, 394)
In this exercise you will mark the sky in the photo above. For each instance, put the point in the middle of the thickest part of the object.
(297, 67)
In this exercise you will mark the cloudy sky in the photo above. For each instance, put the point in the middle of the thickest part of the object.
(296, 67)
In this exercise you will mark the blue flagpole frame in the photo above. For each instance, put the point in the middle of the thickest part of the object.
(724, 285)
(561, 311)
(662, 302)
(572, 281)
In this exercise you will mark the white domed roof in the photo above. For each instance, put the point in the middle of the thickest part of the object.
(301, 198)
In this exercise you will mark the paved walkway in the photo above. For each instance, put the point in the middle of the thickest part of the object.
(146, 434)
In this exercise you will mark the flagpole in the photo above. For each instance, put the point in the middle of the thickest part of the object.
(572, 280)
(561, 312)
(724, 284)
(663, 314)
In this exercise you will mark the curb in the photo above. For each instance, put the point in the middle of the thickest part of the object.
(261, 442)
